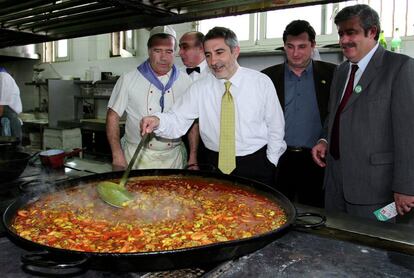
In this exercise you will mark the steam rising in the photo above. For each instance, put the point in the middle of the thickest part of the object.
(151, 204)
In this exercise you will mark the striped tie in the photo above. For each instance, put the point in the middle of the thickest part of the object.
(227, 152)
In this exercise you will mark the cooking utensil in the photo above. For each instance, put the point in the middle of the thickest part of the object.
(8, 143)
(168, 259)
(55, 158)
(116, 194)
(12, 164)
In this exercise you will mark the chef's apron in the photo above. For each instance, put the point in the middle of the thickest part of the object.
(158, 153)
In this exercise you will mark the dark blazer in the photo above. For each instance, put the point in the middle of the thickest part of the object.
(376, 129)
(322, 76)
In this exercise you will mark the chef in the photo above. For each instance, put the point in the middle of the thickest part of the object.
(152, 87)
(10, 106)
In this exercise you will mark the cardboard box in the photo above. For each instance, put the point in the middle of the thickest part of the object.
(65, 139)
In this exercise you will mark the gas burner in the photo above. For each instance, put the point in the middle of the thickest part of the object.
(7, 196)
(8, 192)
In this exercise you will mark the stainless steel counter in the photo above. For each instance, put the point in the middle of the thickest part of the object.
(398, 237)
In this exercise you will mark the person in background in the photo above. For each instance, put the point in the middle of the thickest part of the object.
(10, 106)
(192, 55)
(302, 85)
(153, 87)
(369, 147)
(241, 121)
(194, 60)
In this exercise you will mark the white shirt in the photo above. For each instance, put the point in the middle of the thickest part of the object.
(136, 96)
(9, 92)
(259, 117)
(362, 65)
(204, 70)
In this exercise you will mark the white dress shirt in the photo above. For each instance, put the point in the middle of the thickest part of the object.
(259, 118)
(362, 65)
(204, 70)
(9, 92)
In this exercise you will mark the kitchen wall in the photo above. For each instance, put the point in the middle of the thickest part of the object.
(86, 52)
(94, 52)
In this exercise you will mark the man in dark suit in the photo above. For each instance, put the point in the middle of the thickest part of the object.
(302, 85)
(369, 149)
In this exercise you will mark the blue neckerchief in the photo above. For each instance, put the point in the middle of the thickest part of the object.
(2, 69)
(146, 71)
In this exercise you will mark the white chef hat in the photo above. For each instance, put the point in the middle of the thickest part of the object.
(163, 30)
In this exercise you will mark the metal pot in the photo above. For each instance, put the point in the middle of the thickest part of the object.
(8, 143)
(151, 261)
(12, 164)
(56, 158)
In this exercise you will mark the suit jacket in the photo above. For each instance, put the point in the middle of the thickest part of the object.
(376, 129)
(322, 76)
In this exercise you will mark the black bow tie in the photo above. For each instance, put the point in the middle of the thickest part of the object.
(190, 70)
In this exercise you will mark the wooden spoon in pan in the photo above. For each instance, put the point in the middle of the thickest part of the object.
(116, 194)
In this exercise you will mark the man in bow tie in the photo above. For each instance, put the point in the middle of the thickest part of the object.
(192, 54)
(194, 60)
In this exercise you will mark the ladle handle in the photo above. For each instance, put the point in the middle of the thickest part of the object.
(132, 161)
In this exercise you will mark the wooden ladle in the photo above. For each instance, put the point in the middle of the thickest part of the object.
(116, 194)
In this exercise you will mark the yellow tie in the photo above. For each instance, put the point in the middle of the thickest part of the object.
(227, 152)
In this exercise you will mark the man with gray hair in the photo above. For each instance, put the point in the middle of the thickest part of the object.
(241, 121)
(369, 144)
(153, 87)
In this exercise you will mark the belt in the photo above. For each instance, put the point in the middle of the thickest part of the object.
(297, 149)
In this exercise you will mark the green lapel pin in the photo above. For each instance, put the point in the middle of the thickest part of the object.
(358, 89)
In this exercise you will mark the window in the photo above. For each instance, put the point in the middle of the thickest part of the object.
(56, 51)
(393, 14)
(115, 44)
(273, 23)
(47, 51)
(128, 40)
(276, 21)
(265, 30)
(410, 18)
(61, 50)
(242, 25)
(123, 43)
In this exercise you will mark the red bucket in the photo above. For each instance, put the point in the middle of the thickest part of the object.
(56, 158)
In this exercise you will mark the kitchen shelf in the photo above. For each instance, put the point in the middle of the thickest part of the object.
(93, 97)
(84, 82)
(33, 83)
(112, 81)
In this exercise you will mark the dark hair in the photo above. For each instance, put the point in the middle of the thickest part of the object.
(199, 37)
(162, 36)
(228, 35)
(298, 27)
(368, 17)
